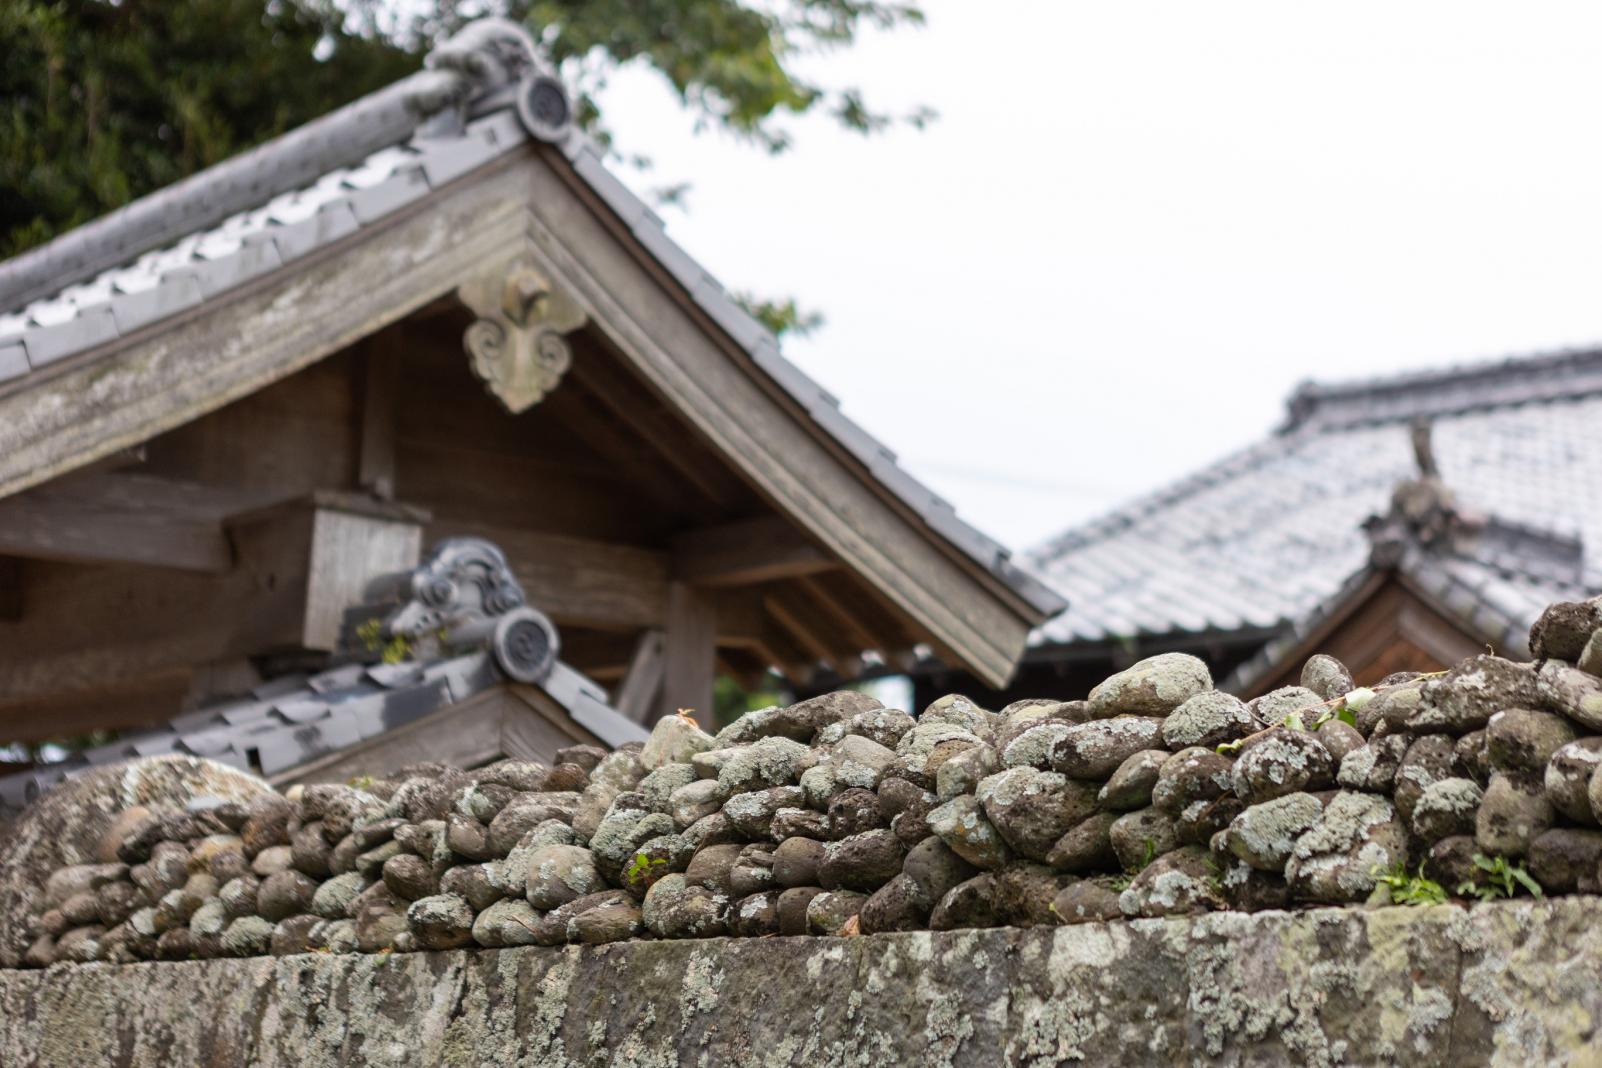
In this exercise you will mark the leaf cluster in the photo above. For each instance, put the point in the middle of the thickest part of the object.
(1501, 878)
(1398, 887)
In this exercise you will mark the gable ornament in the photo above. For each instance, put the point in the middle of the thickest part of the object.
(517, 345)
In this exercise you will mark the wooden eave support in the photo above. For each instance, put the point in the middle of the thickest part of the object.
(746, 553)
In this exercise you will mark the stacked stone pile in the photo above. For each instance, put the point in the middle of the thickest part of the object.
(1157, 795)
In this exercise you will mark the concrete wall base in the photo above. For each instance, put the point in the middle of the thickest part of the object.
(1514, 983)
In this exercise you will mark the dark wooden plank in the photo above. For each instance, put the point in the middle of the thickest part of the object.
(376, 465)
(636, 696)
(745, 553)
(11, 603)
(465, 734)
(127, 519)
(539, 726)
(689, 653)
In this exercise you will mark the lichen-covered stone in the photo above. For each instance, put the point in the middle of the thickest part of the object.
(925, 747)
(962, 825)
(863, 862)
(248, 936)
(1131, 784)
(1564, 628)
(444, 921)
(1034, 745)
(1277, 706)
(1468, 695)
(677, 908)
(1094, 750)
(1447, 807)
(1142, 836)
(334, 899)
(558, 874)
(1567, 779)
(1570, 692)
(1282, 761)
(1428, 760)
(1032, 809)
(829, 912)
(1326, 677)
(1208, 719)
(883, 725)
(674, 740)
(1373, 766)
(67, 824)
(752, 812)
(1512, 814)
(1193, 774)
(511, 922)
(771, 761)
(800, 823)
(1521, 741)
(859, 761)
(1176, 883)
(1356, 836)
(962, 773)
(1154, 686)
(755, 915)
(1086, 846)
(1265, 834)
(854, 811)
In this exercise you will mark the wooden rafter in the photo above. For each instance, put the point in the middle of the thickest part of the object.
(745, 553)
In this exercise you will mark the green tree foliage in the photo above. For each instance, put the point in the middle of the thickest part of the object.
(107, 100)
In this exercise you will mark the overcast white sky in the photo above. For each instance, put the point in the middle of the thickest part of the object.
(1136, 226)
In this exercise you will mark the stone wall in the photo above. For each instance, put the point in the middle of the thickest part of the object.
(1516, 983)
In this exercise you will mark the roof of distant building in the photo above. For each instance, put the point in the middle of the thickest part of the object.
(1266, 539)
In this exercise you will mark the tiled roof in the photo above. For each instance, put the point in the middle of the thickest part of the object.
(290, 721)
(1266, 537)
(260, 212)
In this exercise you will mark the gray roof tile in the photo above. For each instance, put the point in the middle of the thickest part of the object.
(13, 359)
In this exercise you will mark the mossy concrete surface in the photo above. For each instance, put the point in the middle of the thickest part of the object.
(1510, 983)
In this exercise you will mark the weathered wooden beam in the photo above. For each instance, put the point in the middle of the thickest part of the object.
(578, 581)
(745, 553)
(689, 653)
(636, 696)
(122, 519)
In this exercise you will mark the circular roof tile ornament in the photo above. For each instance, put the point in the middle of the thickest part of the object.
(543, 107)
(525, 645)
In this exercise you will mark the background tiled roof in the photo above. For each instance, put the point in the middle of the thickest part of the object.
(1265, 537)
